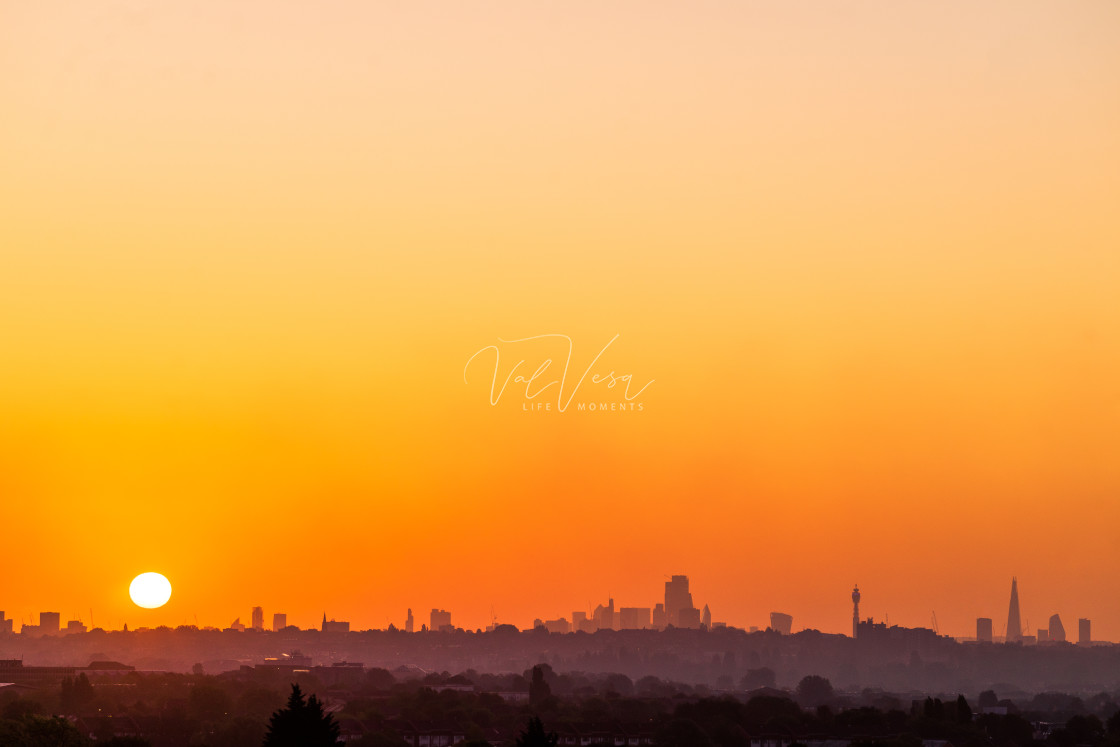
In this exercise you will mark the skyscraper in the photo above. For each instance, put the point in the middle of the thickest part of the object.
(984, 629)
(658, 619)
(706, 618)
(258, 618)
(677, 598)
(409, 622)
(781, 622)
(1014, 623)
(440, 620)
(855, 611)
(1083, 636)
(279, 621)
(1057, 630)
(49, 623)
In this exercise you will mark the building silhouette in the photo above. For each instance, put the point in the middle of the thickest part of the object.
(855, 611)
(6, 623)
(258, 618)
(1057, 631)
(706, 618)
(1014, 622)
(984, 629)
(332, 626)
(634, 618)
(49, 623)
(1083, 630)
(658, 619)
(603, 618)
(580, 622)
(440, 620)
(279, 621)
(781, 622)
(409, 622)
(677, 598)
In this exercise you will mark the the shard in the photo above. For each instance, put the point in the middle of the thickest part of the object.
(1014, 622)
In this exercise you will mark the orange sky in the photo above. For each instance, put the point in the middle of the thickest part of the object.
(868, 253)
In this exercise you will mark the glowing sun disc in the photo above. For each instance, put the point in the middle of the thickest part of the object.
(150, 590)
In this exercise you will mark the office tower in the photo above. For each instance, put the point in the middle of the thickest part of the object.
(6, 624)
(855, 611)
(604, 617)
(258, 618)
(688, 618)
(1042, 635)
(633, 618)
(1014, 624)
(658, 620)
(677, 598)
(781, 622)
(557, 626)
(49, 623)
(706, 618)
(75, 626)
(279, 621)
(580, 622)
(409, 622)
(1083, 636)
(984, 629)
(440, 620)
(1057, 630)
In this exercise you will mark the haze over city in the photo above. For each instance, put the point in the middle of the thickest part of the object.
(732, 373)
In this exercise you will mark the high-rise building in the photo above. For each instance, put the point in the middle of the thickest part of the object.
(633, 618)
(1014, 623)
(706, 618)
(688, 618)
(604, 617)
(984, 629)
(279, 621)
(6, 624)
(1057, 630)
(855, 611)
(258, 618)
(781, 622)
(580, 622)
(1083, 636)
(658, 620)
(75, 626)
(49, 623)
(556, 626)
(1042, 635)
(677, 598)
(440, 620)
(409, 622)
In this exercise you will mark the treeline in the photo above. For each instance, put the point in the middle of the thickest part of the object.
(235, 710)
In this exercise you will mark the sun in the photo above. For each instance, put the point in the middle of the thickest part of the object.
(150, 590)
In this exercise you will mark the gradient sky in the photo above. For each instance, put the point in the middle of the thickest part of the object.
(868, 251)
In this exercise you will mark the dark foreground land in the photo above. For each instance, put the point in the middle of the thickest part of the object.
(383, 709)
(693, 688)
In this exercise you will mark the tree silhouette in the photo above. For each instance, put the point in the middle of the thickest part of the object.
(301, 723)
(535, 735)
(964, 712)
(814, 690)
(538, 688)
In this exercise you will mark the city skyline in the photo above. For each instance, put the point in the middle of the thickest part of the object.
(677, 591)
